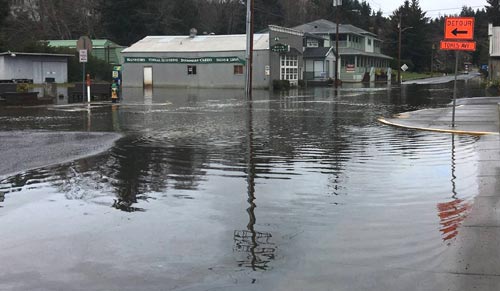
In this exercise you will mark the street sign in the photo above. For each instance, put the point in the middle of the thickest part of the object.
(458, 45)
(459, 28)
(404, 67)
(83, 56)
(84, 43)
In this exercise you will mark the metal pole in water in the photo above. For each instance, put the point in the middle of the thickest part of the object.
(455, 90)
(249, 50)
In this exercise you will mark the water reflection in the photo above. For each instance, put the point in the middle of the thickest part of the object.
(256, 245)
(453, 212)
(306, 163)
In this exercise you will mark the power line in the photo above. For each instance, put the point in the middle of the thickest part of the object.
(442, 9)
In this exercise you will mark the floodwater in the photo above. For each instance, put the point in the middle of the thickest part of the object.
(297, 191)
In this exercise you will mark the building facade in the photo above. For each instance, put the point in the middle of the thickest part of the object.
(37, 68)
(213, 61)
(359, 50)
(494, 61)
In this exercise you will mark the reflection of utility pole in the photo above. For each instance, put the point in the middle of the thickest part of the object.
(256, 244)
(251, 187)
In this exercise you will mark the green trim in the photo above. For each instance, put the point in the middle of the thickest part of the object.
(204, 60)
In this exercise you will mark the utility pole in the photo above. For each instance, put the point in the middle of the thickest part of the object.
(249, 50)
(399, 50)
(337, 4)
(432, 57)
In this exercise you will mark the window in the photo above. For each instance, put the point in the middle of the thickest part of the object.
(191, 70)
(369, 41)
(289, 68)
(238, 70)
(312, 43)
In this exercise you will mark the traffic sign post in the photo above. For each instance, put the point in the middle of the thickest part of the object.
(458, 34)
(84, 47)
(83, 56)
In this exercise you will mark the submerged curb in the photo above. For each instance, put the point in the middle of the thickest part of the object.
(453, 131)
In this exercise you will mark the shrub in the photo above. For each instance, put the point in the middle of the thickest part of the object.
(22, 88)
(281, 85)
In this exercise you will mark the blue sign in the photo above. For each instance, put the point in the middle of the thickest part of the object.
(484, 67)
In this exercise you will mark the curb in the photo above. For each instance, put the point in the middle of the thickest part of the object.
(477, 133)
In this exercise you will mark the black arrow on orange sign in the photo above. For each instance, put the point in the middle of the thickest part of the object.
(457, 32)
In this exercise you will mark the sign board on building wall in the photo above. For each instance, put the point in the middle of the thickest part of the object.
(350, 68)
(280, 48)
(204, 60)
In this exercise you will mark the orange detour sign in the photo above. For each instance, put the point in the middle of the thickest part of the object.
(459, 28)
(458, 45)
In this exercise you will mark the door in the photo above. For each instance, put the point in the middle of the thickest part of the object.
(148, 82)
(319, 71)
(37, 73)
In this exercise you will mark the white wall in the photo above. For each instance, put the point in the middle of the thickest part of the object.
(35, 68)
(494, 33)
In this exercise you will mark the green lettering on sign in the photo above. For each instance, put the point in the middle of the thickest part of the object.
(205, 60)
(280, 48)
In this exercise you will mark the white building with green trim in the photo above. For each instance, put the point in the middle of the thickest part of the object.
(213, 61)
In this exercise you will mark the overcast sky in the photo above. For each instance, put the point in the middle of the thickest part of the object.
(435, 8)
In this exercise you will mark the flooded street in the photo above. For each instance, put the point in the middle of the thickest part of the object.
(205, 191)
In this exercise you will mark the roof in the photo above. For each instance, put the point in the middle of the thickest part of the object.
(317, 52)
(310, 35)
(355, 52)
(201, 43)
(96, 43)
(15, 54)
(323, 26)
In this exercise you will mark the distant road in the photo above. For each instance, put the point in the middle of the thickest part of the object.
(443, 79)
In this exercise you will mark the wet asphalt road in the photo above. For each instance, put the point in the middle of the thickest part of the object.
(294, 193)
(25, 150)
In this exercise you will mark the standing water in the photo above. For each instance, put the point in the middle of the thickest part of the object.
(205, 191)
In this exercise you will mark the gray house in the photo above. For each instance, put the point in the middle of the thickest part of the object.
(213, 61)
(37, 68)
(359, 50)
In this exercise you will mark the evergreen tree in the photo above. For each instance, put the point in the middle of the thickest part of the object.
(267, 12)
(125, 22)
(493, 12)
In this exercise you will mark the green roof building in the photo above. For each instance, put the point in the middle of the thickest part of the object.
(103, 49)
